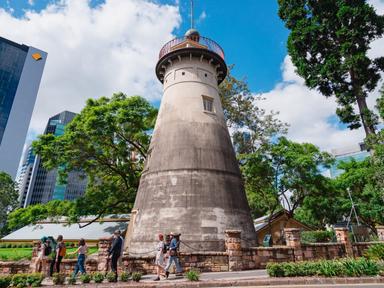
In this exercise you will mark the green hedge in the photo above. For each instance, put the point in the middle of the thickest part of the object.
(318, 236)
(375, 252)
(25, 280)
(327, 268)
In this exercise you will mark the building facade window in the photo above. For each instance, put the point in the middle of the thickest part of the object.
(208, 104)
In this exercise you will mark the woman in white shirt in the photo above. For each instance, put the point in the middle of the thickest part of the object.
(159, 261)
(82, 251)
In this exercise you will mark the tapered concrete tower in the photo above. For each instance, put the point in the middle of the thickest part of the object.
(191, 182)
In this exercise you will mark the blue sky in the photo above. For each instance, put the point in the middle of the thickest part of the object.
(99, 47)
(254, 39)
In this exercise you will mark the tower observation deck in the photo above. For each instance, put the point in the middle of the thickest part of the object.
(192, 45)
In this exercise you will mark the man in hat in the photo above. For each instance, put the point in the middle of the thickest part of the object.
(115, 251)
(173, 255)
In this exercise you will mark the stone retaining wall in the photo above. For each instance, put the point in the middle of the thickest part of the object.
(235, 258)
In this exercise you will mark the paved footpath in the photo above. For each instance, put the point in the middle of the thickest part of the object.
(253, 278)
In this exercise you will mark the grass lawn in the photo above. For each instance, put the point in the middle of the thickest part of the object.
(15, 254)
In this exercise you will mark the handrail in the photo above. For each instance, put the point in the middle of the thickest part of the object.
(208, 43)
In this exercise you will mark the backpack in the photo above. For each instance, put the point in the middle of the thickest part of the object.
(63, 250)
(165, 248)
(47, 250)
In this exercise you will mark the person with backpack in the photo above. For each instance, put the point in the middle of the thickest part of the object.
(60, 252)
(82, 252)
(173, 255)
(159, 261)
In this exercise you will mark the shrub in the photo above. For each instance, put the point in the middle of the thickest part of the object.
(85, 278)
(111, 277)
(327, 268)
(317, 236)
(136, 276)
(5, 281)
(375, 252)
(124, 276)
(71, 281)
(35, 279)
(19, 280)
(58, 278)
(98, 277)
(193, 275)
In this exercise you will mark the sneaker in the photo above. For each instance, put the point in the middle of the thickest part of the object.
(156, 279)
(166, 274)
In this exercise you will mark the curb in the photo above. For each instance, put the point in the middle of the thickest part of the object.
(242, 282)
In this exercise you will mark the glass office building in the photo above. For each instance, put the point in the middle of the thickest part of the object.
(21, 69)
(45, 184)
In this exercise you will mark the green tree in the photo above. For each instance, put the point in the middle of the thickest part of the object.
(328, 44)
(250, 125)
(8, 199)
(284, 171)
(107, 141)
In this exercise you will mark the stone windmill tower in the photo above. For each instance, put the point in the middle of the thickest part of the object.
(191, 183)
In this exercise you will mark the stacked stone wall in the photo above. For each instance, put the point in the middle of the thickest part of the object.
(235, 258)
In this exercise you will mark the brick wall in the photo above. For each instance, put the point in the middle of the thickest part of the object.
(235, 258)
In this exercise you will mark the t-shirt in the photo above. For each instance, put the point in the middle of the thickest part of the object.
(83, 249)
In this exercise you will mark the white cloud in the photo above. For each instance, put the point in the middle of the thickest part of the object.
(93, 52)
(31, 2)
(308, 112)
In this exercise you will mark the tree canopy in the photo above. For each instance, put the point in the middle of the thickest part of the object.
(250, 125)
(284, 172)
(108, 142)
(8, 198)
(328, 44)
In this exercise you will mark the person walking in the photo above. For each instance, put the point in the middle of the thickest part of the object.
(40, 256)
(115, 251)
(173, 255)
(58, 254)
(159, 261)
(82, 252)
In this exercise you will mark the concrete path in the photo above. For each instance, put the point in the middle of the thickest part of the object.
(253, 278)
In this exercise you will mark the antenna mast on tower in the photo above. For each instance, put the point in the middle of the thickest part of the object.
(192, 14)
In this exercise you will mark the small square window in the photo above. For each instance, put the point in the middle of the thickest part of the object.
(183, 73)
(208, 104)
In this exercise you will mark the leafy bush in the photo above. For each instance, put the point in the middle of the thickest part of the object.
(5, 281)
(71, 281)
(111, 277)
(375, 252)
(58, 278)
(98, 277)
(124, 276)
(136, 276)
(317, 236)
(193, 275)
(327, 268)
(19, 280)
(85, 278)
(35, 279)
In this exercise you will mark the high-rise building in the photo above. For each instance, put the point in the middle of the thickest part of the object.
(191, 183)
(45, 184)
(21, 68)
(356, 152)
(24, 177)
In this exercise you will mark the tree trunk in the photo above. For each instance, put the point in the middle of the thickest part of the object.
(361, 100)
(363, 107)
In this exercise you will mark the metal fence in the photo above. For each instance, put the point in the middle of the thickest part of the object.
(208, 43)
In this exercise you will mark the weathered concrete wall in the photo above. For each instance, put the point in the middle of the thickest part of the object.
(191, 182)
